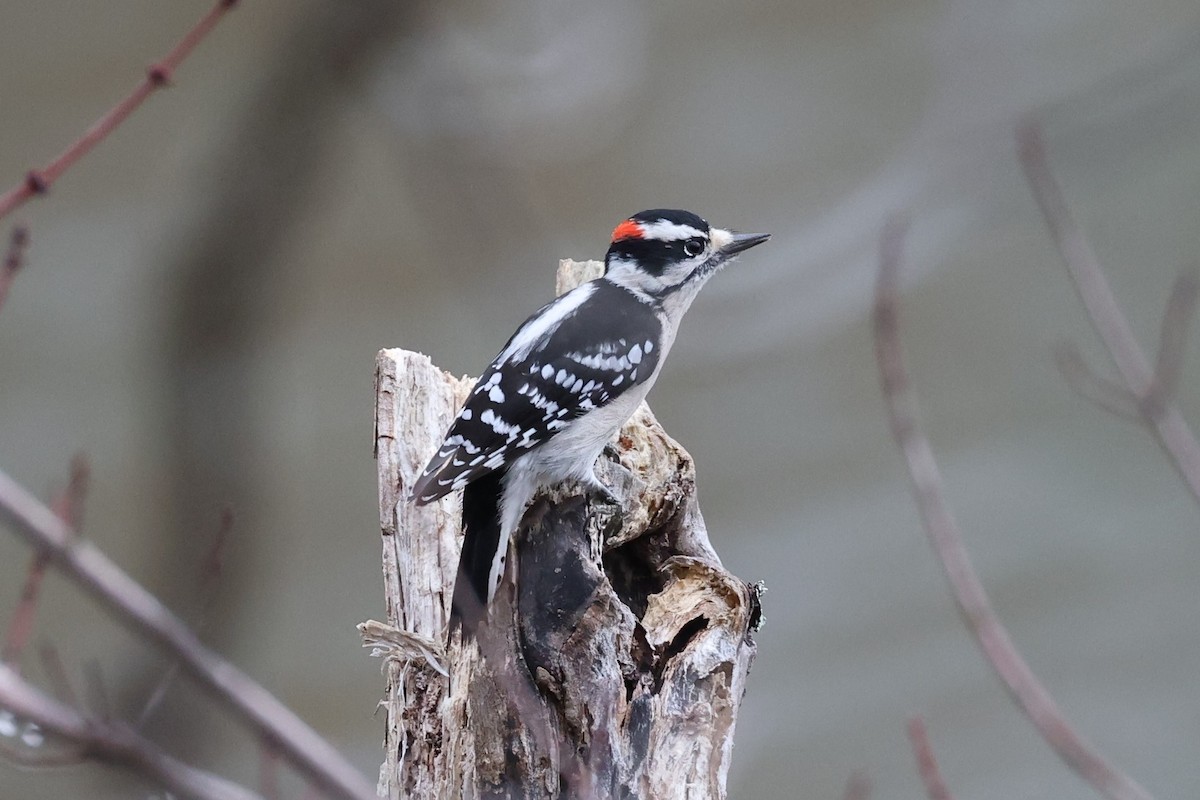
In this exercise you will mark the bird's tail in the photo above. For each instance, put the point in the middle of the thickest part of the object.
(481, 525)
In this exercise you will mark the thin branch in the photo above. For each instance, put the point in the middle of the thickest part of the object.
(14, 259)
(946, 538)
(1156, 408)
(927, 764)
(113, 742)
(210, 573)
(95, 691)
(1082, 379)
(39, 181)
(213, 566)
(20, 627)
(858, 786)
(57, 674)
(69, 508)
(1172, 342)
(42, 759)
(155, 698)
(129, 602)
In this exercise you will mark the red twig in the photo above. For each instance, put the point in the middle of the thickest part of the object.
(96, 691)
(1154, 401)
(69, 508)
(21, 625)
(927, 764)
(1111, 396)
(84, 563)
(213, 565)
(210, 573)
(858, 786)
(14, 259)
(69, 503)
(56, 673)
(39, 181)
(947, 542)
(1181, 308)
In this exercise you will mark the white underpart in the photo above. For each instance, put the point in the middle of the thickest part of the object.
(571, 455)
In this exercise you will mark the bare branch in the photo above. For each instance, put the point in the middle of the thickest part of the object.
(69, 508)
(1156, 407)
(858, 786)
(42, 759)
(95, 690)
(1181, 309)
(112, 742)
(39, 181)
(927, 764)
(69, 503)
(57, 674)
(130, 603)
(210, 573)
(21, 625)
(1112, 397)
(14, 259)
(213, 565)
(946, 538)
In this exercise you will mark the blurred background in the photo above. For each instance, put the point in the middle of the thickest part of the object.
(205, 294)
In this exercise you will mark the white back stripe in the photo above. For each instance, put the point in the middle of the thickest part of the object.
(543, 325)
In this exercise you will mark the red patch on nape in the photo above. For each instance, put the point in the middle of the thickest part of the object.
(629, 229)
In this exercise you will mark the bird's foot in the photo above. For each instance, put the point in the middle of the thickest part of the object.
(601, 493)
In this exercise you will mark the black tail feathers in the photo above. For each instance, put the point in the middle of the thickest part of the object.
(481, 524)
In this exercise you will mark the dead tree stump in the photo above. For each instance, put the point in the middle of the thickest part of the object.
(619, 646)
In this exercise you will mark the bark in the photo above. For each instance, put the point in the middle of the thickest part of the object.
(618, 649)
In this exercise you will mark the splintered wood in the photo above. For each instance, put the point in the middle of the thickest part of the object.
(618, 648)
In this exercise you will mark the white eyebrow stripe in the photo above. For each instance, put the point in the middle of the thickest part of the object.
(666, 231)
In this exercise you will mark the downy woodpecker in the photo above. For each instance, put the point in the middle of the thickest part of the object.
(564, 384)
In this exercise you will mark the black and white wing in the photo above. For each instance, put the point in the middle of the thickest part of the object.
(576, 354)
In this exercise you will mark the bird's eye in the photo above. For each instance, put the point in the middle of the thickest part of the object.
(693, 247)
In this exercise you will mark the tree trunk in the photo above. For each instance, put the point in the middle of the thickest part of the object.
(618, 647)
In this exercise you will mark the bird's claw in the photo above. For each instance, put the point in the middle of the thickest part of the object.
(606, 496)
(602, 493)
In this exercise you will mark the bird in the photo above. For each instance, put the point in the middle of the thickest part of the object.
(563, 385)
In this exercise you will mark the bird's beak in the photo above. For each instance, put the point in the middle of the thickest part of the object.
(742, 241)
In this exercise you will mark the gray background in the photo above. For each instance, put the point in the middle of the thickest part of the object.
(205, 295)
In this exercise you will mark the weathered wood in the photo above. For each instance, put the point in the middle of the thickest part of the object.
(618, 648)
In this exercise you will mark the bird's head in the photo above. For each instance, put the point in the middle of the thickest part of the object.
(664, 252)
